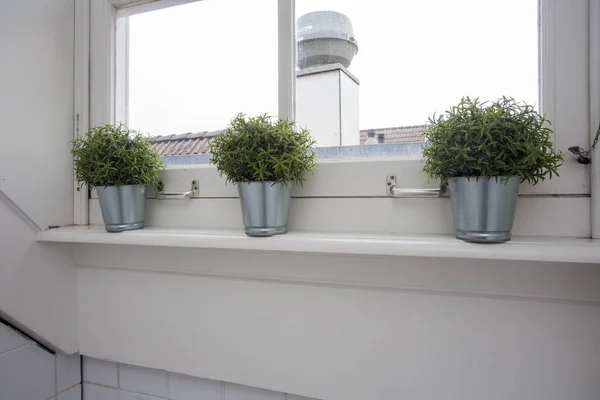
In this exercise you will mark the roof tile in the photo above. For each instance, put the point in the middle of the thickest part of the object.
(198, 143)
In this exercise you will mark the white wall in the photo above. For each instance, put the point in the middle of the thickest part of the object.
(106, 380)
(341, 327)
(505, 330)
(28, 372)
(37, 282)
(36, 107)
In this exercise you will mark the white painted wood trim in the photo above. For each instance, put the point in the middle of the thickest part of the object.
(126, 8)
(336, 178)
(103, 17)
(546, 51)
(490, 278)
(350, 196)
(565, 74)
(563, 84)
(287, 58)
(522, 249)
(534, 216)
(595, 113)
(81, 99)
(122, 71)
(515, 280)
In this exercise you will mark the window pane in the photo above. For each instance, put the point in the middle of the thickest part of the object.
(193, 67)
(414, 58)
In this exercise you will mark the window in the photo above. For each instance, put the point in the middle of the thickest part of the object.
(192, 67)
(343, 188)
(412, 59)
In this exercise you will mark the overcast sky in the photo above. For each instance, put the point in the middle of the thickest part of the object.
(194, 66)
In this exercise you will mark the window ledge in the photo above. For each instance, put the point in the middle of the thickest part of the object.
(569, 250)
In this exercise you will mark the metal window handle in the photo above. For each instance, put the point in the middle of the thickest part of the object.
(408, 193)
(194, 192)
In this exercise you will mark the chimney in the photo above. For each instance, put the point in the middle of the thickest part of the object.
(326, 92)
(380, 137)
(371, 137)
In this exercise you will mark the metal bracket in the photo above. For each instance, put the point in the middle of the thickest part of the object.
(582, 156)
(393, 191)
(194, 192)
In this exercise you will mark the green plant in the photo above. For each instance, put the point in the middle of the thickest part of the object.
(113, 155)
(502, 138)
(260, 149)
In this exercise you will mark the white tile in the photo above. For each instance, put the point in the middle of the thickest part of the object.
(95, 392)
(27, 373)
(72, 394)
(68, 371)
(10, 339)
(125, 395)
(183, 387)
(99, 371)
(239, 392)
(143, 380)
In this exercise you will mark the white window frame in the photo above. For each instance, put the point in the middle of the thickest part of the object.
(564, 54)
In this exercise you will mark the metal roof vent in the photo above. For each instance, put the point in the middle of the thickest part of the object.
(325, 37)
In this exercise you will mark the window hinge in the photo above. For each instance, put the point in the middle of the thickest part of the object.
(76, 125)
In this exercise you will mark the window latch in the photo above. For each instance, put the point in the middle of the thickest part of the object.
(394, 191)
(583, 156)
(162, 195)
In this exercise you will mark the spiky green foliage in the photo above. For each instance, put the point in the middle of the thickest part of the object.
(260, 149)
(113, 155)
(501, 138)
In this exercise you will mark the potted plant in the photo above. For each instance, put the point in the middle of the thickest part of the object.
(264, 157)
(483, 151)
(119, 163)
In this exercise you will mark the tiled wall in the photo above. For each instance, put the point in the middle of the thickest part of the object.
(105, 380)
(28, 372)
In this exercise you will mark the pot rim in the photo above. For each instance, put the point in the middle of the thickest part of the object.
(117, 186)
(478, 177)
(272, 183)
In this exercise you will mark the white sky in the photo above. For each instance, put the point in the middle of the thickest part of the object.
(193, 67)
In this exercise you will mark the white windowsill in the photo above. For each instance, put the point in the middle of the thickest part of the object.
(443, 246)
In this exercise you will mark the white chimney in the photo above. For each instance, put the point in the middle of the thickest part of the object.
(327, 104)
(326, 92)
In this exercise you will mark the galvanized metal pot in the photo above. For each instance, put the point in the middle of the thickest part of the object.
(484, 208)
(122, 207)
(265, 207)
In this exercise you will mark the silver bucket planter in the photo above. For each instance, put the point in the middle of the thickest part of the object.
(484, 208)
(265, 207)
(122, 207)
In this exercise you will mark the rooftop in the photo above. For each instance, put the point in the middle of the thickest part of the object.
(197, 143)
